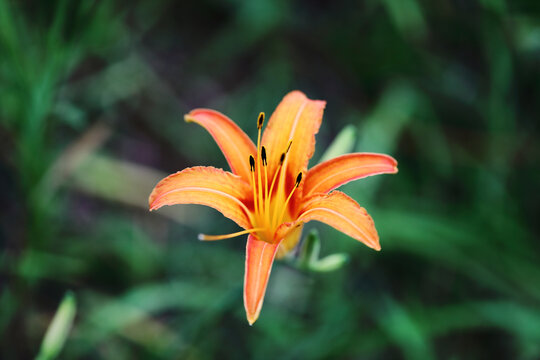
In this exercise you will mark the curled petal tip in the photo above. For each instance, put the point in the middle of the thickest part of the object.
(251, 320)
(151, 199)
(153, 205)
(376, 244)
(253, 316)
(395, 165)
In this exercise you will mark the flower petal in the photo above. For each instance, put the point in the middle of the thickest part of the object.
(296, 118)
(221, 190)
(344, 214)
(233, 142)
(331, 174)
(259, 258)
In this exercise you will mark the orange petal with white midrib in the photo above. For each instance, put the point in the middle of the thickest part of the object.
(296, 118)
(221, 190)
(342, 213)
(333, 173)
(233, 142)
(259, 259)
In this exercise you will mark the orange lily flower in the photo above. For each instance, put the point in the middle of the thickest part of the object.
(270, 193)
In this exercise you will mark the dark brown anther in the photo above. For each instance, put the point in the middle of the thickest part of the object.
(251, 163)
(298, 179)
(281, 159)
(263, 156)
(260, 120)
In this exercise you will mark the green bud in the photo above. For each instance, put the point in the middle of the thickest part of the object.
(329, 263)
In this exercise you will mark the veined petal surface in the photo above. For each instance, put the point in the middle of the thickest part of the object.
(296, 119)
(233, 142)
(221, 190)
(333, 173)
(342, 213)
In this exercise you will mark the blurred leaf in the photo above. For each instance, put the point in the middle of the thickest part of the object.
(342, 144)
(526, 34)
(407, 17)
(40, 265)
(463, 248)
(404, 330)
(124, 182)
(59, 328)
(498, 6)
(8, 307)
(380, 130)
(140, 305)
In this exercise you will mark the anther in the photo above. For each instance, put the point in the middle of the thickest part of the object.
(251, 163)
(263, 156)
(298, 179)
(281, 159)
(289, 146)
(260, 120)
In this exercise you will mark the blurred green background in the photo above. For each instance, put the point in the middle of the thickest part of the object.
(92, 95)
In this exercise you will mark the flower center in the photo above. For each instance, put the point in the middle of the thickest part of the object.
(270, 207)
(270, 199)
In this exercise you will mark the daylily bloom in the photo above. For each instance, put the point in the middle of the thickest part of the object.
(270, 193)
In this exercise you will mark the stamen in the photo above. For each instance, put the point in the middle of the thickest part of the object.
(289, 146)
(298, 180)
(276, 173)
(260, 195)
(204, 237)
(266, 200)
(281, 171)
(263, 156)
(252, 169)
(251, 163)
(260, 120)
